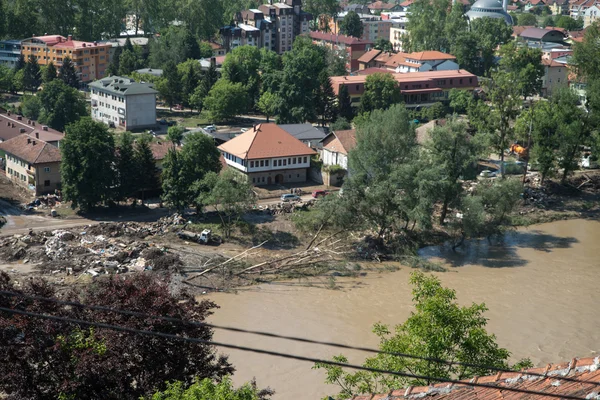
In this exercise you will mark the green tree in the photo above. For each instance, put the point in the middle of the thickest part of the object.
(490, 33)
(125, 165)
(175, 191)
(20, 64)
(466, 48)
(568, 23)
(242, 66)
(297, 84)
(32, 76)
(345, 104)
(456, 22)
(22, 18)
(145, 164)
(61, 104)
(190, 78)
(452, 152)
(230, 194)
(438, 328)
(524, 63)
(49, 73)
(325, 99)
(384, 45)
(426, 26)
(268, 104)
(336, 60)
(585, 55)
(322, 7)
(206, 50)
(527, 19)
(201, 91)
(67, 73)
(86, 168)
(169, 86)
(548, 22)
(113, 66)
(16, 83)
(381, 91)
(175, 45)
(207, 389)
(340, 124)
(226, 100)
(351, 25)
(128, 62)
(460, 100)
(31, 106)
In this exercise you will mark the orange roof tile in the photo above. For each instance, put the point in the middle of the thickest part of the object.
(430, 55)
(584, 369)
(265, 141)
(369, 56)
(32, 150)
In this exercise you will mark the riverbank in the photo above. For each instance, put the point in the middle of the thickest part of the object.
(539, 283)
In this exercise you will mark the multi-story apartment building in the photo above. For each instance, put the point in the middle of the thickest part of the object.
(123, 103)
(273, 26)
(353, 47)
(90, 58)
(10, 51)
(374, 26)
(591, 15)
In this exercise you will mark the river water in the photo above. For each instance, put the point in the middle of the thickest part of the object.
(541, 286)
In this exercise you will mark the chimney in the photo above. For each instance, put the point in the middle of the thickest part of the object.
(84, 45)
(19, 118)
(95, 43)
(37, 135)
(22, 130)
(45, 127)
(28, 122)
(32, 123)
(28, 140)
(70, 37)
(33, 142)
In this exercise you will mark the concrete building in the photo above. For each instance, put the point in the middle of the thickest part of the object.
(123, 103)
(490, 9)
(374, 26)
(577, 8)
(268, 154)
(559, 7)
(32, 164)
(555, 76)
(353, 47)
(10, 51)
(90, 58)
(421, 61)
(417, 88)
(591, 15)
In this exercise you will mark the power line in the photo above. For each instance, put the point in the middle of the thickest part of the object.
(284, 355)
(286, 337)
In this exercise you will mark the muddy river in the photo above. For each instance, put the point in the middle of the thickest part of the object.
(541, 286)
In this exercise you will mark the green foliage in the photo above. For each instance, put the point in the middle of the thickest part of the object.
(585, 55)
(325, 100)
(426, 26)
(145, 165)
(68, 74)
(438, 328)
(345, 104)
(127, 176)
(340, 124)
(568, 23)
(169, 86)
(176, 44)
(268, 104)
(49, 73)
(548, 22)
(206, 50)
(381, 91)
(226, 100)
(460, 100)
(62, 105)
(527, 19)
(320, 7)
(490, 33)
(128, 62)
(526, 65)
(384, 45)
(351, 25)
(31, 107)
(229, 193)
(174, 185)
(32, 76)
(86, 167)
(82, 340)
(6, 78)
(191, 74)
(207, 389)
(242, 66)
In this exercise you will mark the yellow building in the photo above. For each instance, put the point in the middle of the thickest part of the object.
(90, 58)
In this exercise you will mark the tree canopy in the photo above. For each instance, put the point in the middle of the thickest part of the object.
(61, 105)
(351, 25)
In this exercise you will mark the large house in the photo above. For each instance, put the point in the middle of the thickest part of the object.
(555, 75)
(90, 58)
(374, 26)
(408, 62)
(10, 52)
(267, 154)
(13, 125)
(32, 163)
(417, 88)
(123, 103)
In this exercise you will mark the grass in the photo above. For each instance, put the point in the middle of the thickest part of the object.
(184, 118)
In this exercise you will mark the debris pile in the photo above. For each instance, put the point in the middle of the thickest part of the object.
(96, 249)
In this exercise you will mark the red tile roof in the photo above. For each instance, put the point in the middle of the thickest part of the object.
(30, 149)
(369, 71)
(551, 63)
(11, 126)
(380, 5)
(584, 369)
(330, 37)
(518, 29)
(160, 149)
(266, 141)
(402, 58)
(369, 56)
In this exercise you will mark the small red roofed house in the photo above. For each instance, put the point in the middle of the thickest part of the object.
(267, 154)
(336, 147)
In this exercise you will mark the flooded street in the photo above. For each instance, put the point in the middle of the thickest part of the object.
(541, 287)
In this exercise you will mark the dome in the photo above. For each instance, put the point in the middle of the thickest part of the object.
(490, 9)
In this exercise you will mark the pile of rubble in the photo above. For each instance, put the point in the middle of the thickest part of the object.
(287, 207)
(96, 249)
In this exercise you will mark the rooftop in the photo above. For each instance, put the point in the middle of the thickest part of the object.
(11, 126)
(303, 131)
(330, 37)
(151, 71)
(369, 56)
(538, 33)
(347, 140)
(123, 86)
(584, 369)
(31, 149)
(265, 141)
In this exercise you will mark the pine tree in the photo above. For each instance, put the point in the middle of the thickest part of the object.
(113, 67)
(20, 63)
(325, 99)
(49, 73)
(189, 84)
(169, 85)
(128, 45)
(32, 76)
(345, 104)
(145, 165)
(126, 166)
(68, 74)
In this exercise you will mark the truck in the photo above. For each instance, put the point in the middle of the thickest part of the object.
(205, 237)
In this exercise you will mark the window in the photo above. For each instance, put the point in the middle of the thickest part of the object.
(266, 163)
(357, 88)
(289, 161)
(252, 166)
(451, 81)
(263, 179)
(46, 169)
(253, 180)
(305, 159)
(262, 163)
(284, 162)
(470, 80)
(460, 81)
(46, 183)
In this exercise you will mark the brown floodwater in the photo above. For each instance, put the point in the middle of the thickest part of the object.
(541, 286)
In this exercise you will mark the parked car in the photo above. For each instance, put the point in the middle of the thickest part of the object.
(320, 193)
(163, 122)
(290, 197)
(171, 123)
(210, 128)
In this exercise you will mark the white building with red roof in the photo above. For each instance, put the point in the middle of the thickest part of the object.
(267, 154)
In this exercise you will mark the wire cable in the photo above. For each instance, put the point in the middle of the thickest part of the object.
(285, 355)
(286, 337)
